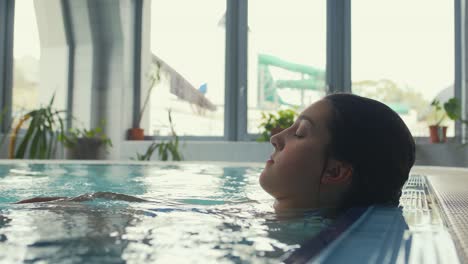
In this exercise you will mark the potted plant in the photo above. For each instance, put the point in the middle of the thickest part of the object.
(451, 110)
(272, 124)
(137, 133)
(86, 144)
(44, 130)
(165, 148)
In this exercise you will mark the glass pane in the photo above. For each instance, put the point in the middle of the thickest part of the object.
(287, 56)
(403, 55)
(188, 39)
(26, 55)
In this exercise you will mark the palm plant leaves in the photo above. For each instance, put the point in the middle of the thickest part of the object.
(45, 128)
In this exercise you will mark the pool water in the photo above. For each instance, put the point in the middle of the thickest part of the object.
(195, 213)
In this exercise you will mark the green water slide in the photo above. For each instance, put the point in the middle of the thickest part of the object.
(269, 60)
(312, 78)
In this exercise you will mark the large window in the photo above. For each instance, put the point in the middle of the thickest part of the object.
(286, 56)
(188, 46)
(403, 55)
(26, 54)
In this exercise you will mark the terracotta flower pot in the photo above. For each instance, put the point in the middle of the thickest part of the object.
(136, 134)
(438, 134)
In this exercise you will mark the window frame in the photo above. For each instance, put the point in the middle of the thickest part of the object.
(7, 28)
(234, 12)
(338, 50)
(7, 18)
(235, 116)
(461, 130)
(460, 88)
(69, 35)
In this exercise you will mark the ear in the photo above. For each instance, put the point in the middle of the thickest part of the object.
(337, 172)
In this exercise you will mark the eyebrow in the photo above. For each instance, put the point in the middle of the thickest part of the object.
(303, 117)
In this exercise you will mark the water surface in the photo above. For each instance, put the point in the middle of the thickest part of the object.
(196, 213)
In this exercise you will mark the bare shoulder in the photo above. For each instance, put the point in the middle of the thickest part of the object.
(40, 200)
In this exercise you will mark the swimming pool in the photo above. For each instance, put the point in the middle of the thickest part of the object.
(200, 213)
(216, 213)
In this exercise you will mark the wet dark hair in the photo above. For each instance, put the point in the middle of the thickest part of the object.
(376, 142)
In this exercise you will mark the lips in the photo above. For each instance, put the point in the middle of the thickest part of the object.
(270, 160)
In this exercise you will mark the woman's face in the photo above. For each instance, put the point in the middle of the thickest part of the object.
(294, 171)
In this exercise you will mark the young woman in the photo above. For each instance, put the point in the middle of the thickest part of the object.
(343, 151)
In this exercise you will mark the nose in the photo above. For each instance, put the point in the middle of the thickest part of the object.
(277, 140)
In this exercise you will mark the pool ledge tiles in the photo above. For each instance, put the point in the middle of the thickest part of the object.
(416, 232)
(452, 195)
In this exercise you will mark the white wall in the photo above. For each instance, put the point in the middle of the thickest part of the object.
(426, 154)
(53, 67)
(207, 151)
(451, 155)
(103, 36)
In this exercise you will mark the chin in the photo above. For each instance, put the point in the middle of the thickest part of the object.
(262, 180)
(265, 182)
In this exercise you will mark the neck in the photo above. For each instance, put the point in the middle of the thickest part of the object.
(288, 205)
(285, 207)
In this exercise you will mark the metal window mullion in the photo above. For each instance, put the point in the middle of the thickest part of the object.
(137, 62)
(67, 21)
(338, 46)
(460, 88)
(235, 99)
(230, 100)
(7, 12)
(242, 55)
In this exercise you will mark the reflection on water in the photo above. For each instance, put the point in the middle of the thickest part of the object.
(195, 213)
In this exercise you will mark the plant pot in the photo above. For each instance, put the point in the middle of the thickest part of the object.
(438, 134)
(136, 134)
(86, 149)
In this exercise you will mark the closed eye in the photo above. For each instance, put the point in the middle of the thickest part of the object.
(302, 129)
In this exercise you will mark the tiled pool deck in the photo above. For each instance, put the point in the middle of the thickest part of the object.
(451, 188)
(431, 226)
